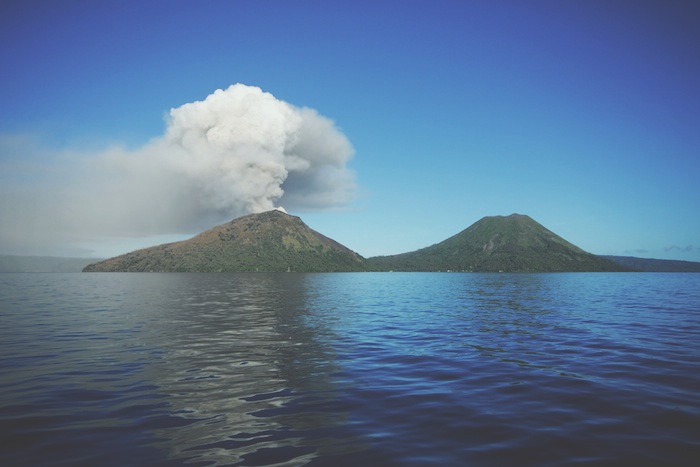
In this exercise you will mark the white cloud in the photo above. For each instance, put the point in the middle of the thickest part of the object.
(238, 151)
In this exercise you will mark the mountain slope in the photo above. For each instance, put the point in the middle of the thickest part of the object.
(271, 241)
(514, 243)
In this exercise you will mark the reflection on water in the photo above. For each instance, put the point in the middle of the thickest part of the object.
(391, 369)
(247, 364)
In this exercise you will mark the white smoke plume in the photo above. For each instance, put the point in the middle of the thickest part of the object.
(240, 150)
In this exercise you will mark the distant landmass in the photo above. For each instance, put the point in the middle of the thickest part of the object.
(274, 241)
(655, 265)
(12, 263)
(271, 241)
(514, 243)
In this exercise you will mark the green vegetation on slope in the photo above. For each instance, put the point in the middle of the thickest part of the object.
(515, 243)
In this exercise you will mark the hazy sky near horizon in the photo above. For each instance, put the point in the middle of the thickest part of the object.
(386, 125)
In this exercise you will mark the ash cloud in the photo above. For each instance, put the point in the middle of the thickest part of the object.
(239, 151)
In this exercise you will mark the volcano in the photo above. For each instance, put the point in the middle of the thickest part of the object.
(271, 241)
(514, 243)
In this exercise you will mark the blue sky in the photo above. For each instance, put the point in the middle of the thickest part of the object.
(582, 114)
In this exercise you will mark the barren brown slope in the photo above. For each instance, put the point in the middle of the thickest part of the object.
(272, 241)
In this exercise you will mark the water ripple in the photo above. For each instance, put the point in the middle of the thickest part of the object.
(345, 369)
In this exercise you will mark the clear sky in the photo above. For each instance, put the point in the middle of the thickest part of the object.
(584, 115)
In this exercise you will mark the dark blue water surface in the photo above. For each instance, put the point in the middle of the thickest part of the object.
(348, 369)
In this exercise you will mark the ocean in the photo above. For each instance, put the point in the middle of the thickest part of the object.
(338, 369)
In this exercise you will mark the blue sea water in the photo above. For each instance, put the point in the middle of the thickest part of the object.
(348, 369)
